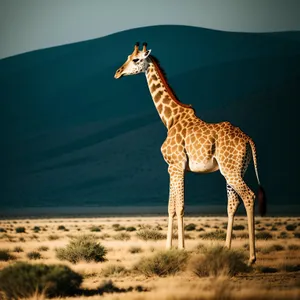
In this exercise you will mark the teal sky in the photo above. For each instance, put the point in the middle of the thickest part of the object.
(35, 24)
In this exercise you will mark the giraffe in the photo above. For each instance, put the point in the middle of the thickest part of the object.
(196, 146)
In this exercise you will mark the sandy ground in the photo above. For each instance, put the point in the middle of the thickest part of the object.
(284, 261)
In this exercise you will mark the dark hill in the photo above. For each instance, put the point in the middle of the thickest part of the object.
(73, 135)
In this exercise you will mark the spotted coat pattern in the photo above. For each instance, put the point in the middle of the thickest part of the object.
(197, 146)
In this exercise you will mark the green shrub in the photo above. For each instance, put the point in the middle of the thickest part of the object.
(130, 229)
(238, 227)
(61, 227)
(36, 229)
(122, 236)
(290, 268)
(264, 269)
(201, 248)
(34, 255)
(243, 235)
(214, 235)
(135, 249)
(5, 255)
(23, 280)
(162, 263)
(272, 248)
(43, 248)
(113, 270)
(294, 247)
(274, 228)
(2, 229)
(84, 247)
(297, 235)
(18, 249)
(190, 227)
(219, 261)
(53, 237)
(148, 234)
(95, 229)
(121, 228)
(263, 235)
(283, 235)
(291, 227)
(20, 229)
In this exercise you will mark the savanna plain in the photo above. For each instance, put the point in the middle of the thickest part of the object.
(125, 258)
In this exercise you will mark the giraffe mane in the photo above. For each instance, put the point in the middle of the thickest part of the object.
(163, 77)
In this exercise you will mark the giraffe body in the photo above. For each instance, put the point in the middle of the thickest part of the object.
(196, 146)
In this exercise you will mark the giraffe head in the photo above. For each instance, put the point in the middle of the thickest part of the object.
(136, 62)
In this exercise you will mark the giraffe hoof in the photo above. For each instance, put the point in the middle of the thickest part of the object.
(251, 261)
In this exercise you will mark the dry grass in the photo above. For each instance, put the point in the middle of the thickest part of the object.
(127, 248)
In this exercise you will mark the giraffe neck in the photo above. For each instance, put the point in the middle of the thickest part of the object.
(168, 106)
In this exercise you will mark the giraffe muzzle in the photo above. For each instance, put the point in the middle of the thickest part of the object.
(118, 74)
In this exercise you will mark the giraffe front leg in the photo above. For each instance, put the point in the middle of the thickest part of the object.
(177, 189)
(171, 210)
(233, 203)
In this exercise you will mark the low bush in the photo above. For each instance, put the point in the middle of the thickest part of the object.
(297, 235)
(130, 229)
(291, 227)
(190, 227)
(53, 237)
(36, 229)
(95, 229)
(135, 249)
(162, 263)
(18, 249)
(5, 255)
(218, 261)
(238, 227)
(20, 229)
(272, 248)
(122, 236)
(23, 280)
(283, 235)
(34, 255)
(264, 269)
(294, 247)
(2, 229)
(214, 235)
(263, 235)
(82, 248)
(290, 268)
(43, 248)
(61, 227)
(113, 270)
(148, 234)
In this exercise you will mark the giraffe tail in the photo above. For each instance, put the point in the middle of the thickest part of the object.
(261, 196)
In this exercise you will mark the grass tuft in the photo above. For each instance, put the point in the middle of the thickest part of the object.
(217, 261)
(148, 234)
(33, 255)
(214, 235)
(162, 263)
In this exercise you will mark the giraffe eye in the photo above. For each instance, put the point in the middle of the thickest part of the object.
(135, 60)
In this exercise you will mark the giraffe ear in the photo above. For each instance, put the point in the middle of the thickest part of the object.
(146, 53)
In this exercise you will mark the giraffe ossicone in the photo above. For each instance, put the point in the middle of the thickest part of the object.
(196, 146)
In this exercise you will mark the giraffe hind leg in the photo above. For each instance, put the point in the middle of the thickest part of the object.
(233, 203)
(248, 197)
(233, 200)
